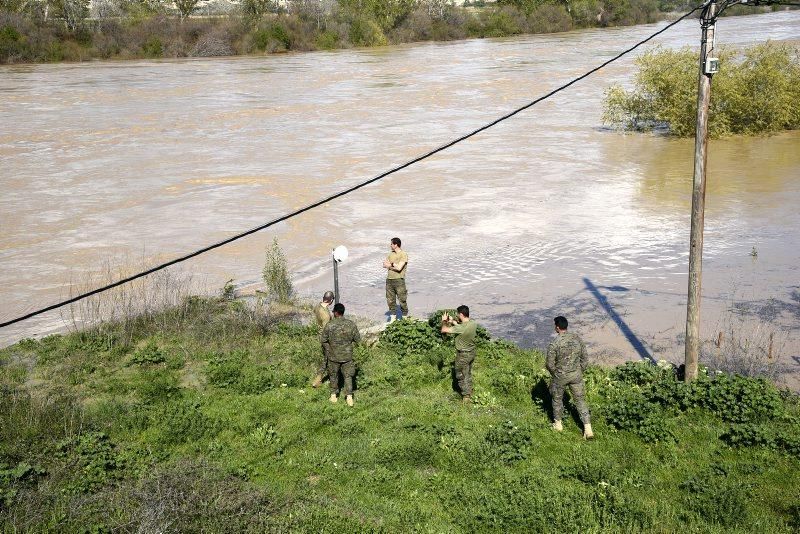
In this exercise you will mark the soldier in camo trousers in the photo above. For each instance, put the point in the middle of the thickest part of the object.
(395, 264)
(466, 331)
(566, 362)
(338, 337)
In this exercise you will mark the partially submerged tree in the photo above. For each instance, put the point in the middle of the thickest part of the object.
(276, 274)
(757, 91)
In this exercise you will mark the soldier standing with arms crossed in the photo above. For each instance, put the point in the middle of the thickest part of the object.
(566, 362)
(322, 315)
(395, 264)
(465, 348)
(339, 336)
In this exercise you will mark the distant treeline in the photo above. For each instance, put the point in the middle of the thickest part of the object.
(77, 30)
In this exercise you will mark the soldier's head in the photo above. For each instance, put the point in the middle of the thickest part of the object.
(561, 323)
(327, 298)
(395, 243)
(338, 310)
(463, 312)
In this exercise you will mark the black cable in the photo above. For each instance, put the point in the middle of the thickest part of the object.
(765, 3)
(346, 191)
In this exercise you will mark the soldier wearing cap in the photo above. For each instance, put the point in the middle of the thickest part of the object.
(322, 314)
(566, 362)
(339, 336)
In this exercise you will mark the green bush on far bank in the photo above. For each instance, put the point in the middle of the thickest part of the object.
(202, 419)
(756, 91)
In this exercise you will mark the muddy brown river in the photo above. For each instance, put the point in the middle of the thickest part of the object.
(122, 163)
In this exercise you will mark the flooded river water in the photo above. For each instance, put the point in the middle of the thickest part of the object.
(547, 213)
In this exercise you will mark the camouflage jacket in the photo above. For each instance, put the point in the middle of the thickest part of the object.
(339, 336)
(566, 356)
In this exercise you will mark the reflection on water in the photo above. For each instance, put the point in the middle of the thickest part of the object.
(155, 159)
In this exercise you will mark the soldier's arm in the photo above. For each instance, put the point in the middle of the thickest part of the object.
(356, 334)
(550, 360)
(584, 357)
(325, 338)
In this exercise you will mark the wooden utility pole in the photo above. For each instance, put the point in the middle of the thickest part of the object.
(707, 69)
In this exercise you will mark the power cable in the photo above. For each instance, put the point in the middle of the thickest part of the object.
(349, 189)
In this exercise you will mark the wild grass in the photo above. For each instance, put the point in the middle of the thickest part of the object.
(205, 422)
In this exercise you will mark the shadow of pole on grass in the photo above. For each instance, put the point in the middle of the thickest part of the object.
(635, 342)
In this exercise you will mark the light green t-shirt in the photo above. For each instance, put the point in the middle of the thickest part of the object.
(323, 315)
(465, 340)
(395, 258)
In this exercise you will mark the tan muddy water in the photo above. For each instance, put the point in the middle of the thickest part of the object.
(548, 213)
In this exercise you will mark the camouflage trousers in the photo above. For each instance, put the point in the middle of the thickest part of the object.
(396, 291)
(323, 369)
(557, 389)
(463, 369)
(348, 370)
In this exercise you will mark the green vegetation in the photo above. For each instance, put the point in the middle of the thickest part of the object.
(200, 418)
(757, 91)
(276, 275)
(77, 30)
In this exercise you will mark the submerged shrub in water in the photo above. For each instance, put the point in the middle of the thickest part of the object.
(665, 92)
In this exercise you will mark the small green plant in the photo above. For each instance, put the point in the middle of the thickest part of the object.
(93, 457)
(410, 336)
(509, 442)
(632, 411)
(157, 386)
(485, 399)
(716, 497)
(150, 354)
(12, 478)
(748, 435)
(228, 290)
(181, 421)
(276, 274)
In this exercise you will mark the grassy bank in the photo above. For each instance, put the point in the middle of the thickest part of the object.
(201, 418)
(72, 30)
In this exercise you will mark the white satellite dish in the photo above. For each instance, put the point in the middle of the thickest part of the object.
(340, 253)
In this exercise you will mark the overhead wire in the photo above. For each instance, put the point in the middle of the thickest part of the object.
(348, 190)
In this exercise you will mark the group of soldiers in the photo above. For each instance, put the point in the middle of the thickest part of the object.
(566, 354)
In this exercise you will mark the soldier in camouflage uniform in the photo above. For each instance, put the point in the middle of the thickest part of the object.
(322, 314)
(465, 348)
(339, 336)
(566, 362)
(395, 265)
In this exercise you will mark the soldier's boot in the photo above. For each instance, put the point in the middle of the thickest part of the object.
(392, 318)
(466, 399)
(587, 431)
(350, 400)
(317, 381)
(333, 398)
(557, 426)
